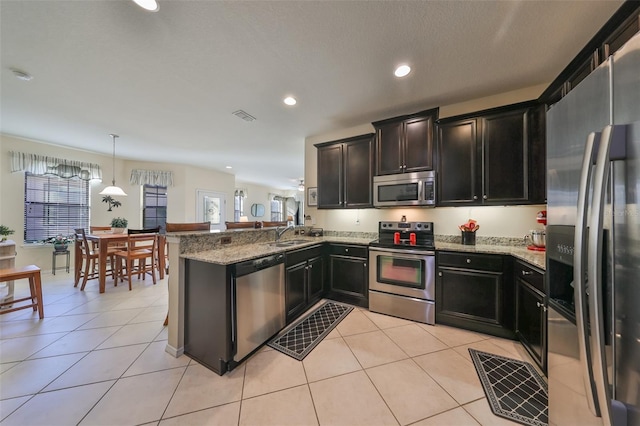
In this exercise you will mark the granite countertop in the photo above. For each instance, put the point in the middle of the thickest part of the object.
(535, 258)
(240, 253)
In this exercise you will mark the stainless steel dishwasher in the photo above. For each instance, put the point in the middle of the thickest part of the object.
(259, 303)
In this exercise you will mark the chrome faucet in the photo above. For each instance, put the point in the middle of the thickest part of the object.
(280, 231)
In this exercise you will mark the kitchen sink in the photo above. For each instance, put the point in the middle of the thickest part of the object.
(288, 243)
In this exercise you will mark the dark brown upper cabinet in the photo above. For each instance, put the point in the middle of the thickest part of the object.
(345, 173)
(492, 157)
(623, 25)
(405, 144)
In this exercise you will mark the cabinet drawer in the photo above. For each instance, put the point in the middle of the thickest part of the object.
(296, 256)
(485, 262)
(349, 250)
(530, 275)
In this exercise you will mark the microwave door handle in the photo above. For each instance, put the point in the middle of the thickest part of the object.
(579, 262)
(612, 147)
(421, 196)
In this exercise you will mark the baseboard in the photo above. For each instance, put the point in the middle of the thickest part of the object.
(173, 351)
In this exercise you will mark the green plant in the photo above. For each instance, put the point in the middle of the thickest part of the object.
(59, 240)
(119, 222)
(5, 231)
(112, 203)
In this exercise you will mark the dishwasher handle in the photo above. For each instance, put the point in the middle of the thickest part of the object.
(255, 265)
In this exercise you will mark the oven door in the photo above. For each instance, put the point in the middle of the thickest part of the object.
(405, 272)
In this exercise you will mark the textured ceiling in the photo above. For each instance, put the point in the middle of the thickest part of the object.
(168, 82)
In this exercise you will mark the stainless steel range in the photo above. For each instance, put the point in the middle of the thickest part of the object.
(402, 271)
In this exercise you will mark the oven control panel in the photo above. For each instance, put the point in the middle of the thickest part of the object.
(406, 226)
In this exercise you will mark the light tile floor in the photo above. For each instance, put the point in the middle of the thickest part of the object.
(99, 359)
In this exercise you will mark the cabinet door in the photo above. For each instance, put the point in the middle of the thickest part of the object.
(504, 146)
(389, 148)
(358, 173)
(531, 320)
(295, 290)
(315, 280)
(458, 181)
(348, 278)
(330, 175)
(470, 295)
(418, 144)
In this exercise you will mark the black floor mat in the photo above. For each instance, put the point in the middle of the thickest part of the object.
(514, 388)
(299, 340)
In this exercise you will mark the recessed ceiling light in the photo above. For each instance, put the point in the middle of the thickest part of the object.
(21, 75)
(402, 70)
(228, 167)
(150, 5)
(289, 100)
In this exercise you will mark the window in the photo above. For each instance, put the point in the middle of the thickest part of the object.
(154, 211)
(277, 209)
(238, 205)
(53, 205)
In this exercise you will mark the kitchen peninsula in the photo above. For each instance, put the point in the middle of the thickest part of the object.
(225, 249)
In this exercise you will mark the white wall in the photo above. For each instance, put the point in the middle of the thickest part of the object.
(494, 221)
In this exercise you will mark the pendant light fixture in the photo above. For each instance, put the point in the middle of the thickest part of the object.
(301, 186)
(113, 189)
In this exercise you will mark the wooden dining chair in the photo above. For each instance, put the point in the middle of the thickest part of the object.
(184, 227)
(156, 230)
(95, 229)
(133, 260)
(87, 271)
(240, 225)
(113, 246)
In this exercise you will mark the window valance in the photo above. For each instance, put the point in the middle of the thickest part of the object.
(44, 165)
(151, 177)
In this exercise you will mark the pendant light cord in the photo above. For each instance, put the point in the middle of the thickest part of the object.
(113, 165)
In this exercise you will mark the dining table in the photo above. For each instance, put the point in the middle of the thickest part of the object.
(104, 240)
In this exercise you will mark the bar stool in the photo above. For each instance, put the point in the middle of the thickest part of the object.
(57, 253)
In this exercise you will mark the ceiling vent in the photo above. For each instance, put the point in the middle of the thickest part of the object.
(242, 114)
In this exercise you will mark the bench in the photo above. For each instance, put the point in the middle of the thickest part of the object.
(32, 273)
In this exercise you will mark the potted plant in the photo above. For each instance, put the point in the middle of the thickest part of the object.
(4, 232)
(60, 242)
(118, 225)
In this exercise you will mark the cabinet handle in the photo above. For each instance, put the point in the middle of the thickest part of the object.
(439, 274)
(310, 266)
(468, 260)
(526, 273)
(541, 305)
(346, 250)
(365, 264)
(484, 197)
(475, 197)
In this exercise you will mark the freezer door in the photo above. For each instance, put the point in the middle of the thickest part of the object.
(626, 232)
(567, 395)
(584, 110)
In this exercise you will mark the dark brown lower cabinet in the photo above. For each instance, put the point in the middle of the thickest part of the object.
(348, 274)
(304, 282)
(531, 312)
(474, 292)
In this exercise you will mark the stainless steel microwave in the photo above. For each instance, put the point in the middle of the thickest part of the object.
(405, 189)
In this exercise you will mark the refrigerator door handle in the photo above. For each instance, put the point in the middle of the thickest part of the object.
(579, 262)
(612, 147)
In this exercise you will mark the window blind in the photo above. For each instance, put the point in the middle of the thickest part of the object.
(53, 206)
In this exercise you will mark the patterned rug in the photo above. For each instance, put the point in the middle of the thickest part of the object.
(307, 332)
(514, 388)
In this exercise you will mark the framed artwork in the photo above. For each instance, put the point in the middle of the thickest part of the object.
(312, 196)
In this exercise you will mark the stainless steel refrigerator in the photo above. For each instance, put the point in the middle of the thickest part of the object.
(593, 247)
